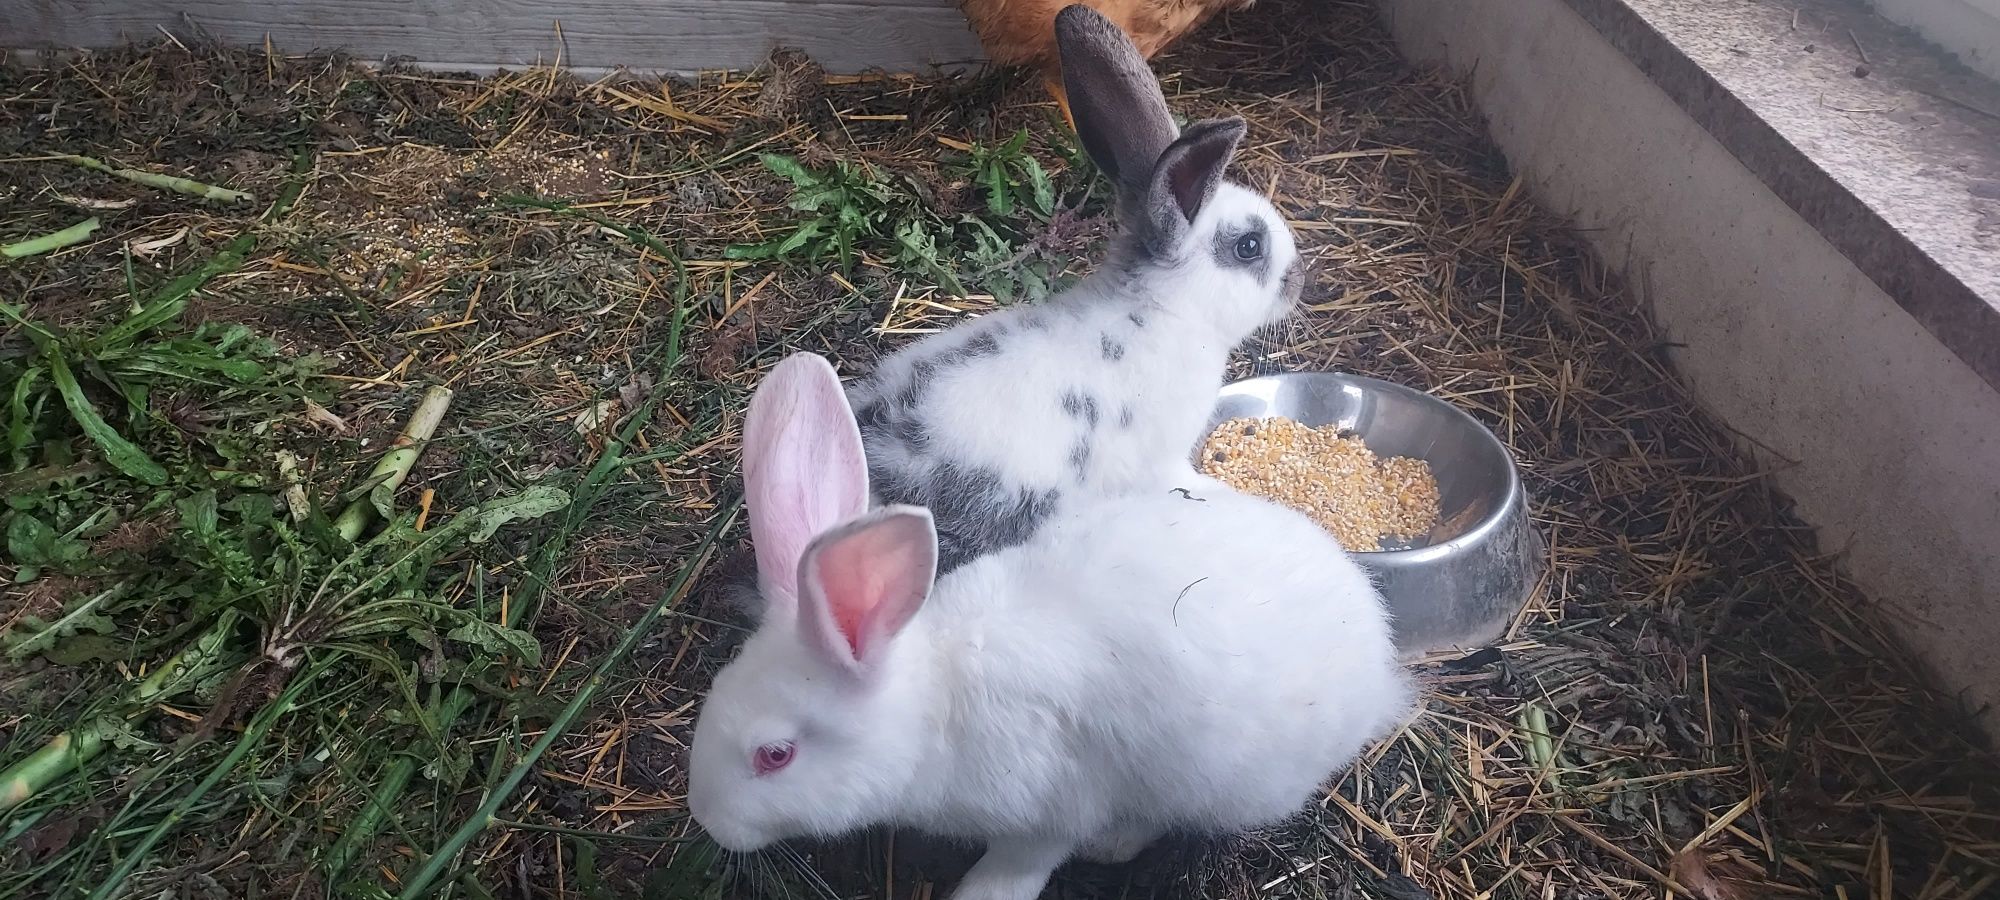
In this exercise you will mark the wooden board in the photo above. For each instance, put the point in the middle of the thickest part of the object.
(646, 36)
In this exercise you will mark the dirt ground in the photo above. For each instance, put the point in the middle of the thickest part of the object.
(1695, 702)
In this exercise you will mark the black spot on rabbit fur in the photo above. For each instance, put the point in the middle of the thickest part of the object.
(1138, 319)
(1080, 405)
(924, 370)
(1125, 417)
(913, 391)
(1113, 350)
(982, 345)
(873, 415)
(1079, 458)
(910, 431)
(975, 512)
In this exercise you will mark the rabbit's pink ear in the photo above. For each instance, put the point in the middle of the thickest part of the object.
(861, 582)
(803, 469)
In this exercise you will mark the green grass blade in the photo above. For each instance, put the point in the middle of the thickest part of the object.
(266, 719)
(118, 451)
(21, 417)
(389, 787)
(419, 884)
(596, 482)
(395, 777)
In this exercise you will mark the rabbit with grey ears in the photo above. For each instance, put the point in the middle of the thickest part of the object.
(999, 423)
(1143, 664)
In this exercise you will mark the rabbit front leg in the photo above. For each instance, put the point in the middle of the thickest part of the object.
(1118, 844)
(1014, 868)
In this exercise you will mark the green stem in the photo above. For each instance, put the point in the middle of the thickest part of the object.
(394, 467)
(164, 182)
(419, 884)
(1541, 745)
(75, 234)
(39, 769)
(67, 751)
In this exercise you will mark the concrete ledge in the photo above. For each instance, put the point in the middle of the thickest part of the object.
(1884, 146)
(1831, 362)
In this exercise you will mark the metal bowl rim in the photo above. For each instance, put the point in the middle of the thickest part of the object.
(1487, 525)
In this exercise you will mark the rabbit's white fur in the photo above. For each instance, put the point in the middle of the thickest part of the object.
(1142, 665)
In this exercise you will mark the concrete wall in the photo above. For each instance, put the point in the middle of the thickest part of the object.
(1897, 442)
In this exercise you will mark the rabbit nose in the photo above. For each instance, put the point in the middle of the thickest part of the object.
(1294, 282)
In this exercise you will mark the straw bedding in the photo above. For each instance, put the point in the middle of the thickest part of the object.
(1695, 702)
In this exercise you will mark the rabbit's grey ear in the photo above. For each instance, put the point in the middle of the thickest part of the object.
(1184, 180)
(1121, 115)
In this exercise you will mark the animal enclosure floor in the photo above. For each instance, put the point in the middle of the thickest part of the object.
(1695, 702)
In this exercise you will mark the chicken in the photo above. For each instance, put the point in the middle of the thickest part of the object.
(1022, 32)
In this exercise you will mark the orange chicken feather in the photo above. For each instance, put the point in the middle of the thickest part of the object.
(1023, 32)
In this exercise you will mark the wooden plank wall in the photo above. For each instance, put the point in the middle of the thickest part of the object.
(647, 36)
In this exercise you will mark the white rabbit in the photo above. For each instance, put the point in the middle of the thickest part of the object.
(1144, 664)
(997, 424)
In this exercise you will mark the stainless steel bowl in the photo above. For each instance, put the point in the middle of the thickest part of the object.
(1461, 585)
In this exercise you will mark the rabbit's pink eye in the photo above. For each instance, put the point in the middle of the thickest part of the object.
(771, 757)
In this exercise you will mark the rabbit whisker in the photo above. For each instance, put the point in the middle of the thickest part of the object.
(811, 874)
(771, 882)
(1268, 344)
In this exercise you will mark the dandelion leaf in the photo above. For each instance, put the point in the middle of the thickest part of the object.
(532, 503)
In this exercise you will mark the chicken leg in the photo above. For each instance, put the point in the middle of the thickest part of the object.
(1052, 81)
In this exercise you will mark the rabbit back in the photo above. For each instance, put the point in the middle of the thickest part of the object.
(1201, 662)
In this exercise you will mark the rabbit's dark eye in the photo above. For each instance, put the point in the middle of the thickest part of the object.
(772, 757)
(1249, 247)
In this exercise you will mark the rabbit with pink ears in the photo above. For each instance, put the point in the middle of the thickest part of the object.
(1000, 423)
(1140, 665)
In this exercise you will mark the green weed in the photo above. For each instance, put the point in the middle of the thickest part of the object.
(159, 554)
(853, 208)
(1011, 179)
(850, 207)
